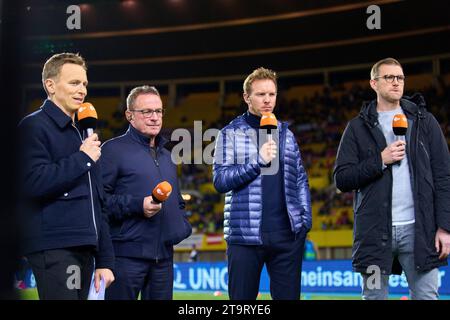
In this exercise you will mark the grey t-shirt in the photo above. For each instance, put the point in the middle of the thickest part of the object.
(402, 197)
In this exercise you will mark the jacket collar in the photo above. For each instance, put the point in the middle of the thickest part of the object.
(55, 113)
(242, 123)
(412, 106)
(160, 141)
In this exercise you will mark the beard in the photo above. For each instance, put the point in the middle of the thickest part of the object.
(391, 97)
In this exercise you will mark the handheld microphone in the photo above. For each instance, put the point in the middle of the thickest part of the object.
(87, 118)
(161, 192)
(268, 122)
(399, 125)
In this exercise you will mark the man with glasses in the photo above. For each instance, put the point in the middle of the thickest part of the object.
(402, 188)
(143, 232)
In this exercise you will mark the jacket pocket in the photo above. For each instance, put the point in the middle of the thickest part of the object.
(71, 210)
(361, 196)
(131, 229)
(179, 229)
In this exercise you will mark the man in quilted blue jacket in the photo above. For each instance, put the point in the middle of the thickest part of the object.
(267, 203)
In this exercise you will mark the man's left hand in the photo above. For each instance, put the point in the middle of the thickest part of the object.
(442, 243)
(104, 274)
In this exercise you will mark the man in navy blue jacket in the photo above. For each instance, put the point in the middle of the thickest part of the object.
(65, 228)
(267, 212)
(142, 231)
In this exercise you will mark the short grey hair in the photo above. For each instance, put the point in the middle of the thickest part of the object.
(145, 89)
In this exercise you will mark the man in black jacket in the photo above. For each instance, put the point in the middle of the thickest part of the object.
(402, 188)
(143, 232)
(66, 232)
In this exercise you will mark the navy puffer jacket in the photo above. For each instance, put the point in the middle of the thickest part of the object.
(238, 175)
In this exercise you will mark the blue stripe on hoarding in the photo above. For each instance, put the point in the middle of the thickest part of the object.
(320, 277)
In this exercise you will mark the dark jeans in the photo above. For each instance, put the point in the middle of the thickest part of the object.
(63, 274)
(154, 280)
(282, 253)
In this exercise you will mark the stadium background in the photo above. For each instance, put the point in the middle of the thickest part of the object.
(198, 52)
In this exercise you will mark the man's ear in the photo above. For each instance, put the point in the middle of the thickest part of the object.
(50, 86)
(246, 98)
(128, 115)
(373, 84)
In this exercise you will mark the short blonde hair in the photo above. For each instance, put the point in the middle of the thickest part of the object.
(374, 72)
(53, 65)
(259, 74)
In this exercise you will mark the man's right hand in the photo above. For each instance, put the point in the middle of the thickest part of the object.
(393, 152)
(91, 146)
(151, 208)
(268, 151)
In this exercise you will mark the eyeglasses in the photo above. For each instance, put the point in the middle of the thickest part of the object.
(148, 113)
(390, 78)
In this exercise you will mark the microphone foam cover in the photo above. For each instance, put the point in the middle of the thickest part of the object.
(161, 192)
(399, 124)
(268, 121)
(87, 116)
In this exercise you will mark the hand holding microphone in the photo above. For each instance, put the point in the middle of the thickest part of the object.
(393, 152)
(91, 146)
(153, 203)
(268, 151)
(396, 151)
(87, 119)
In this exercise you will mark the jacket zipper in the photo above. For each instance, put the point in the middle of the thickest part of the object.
(416, 187)
(424, 149)
(282, 138)
(90, 189)
(155, 160)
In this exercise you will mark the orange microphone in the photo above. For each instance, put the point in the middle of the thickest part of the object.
(161, 192)
(87, 118)
(268, 122)
(399, 125)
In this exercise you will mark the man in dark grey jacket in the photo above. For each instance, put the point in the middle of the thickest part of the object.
(402, 188)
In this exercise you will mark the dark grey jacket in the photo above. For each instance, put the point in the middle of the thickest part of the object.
(359, 168)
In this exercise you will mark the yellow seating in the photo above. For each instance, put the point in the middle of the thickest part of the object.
(195, 107)
(332, 238)
(302, 91)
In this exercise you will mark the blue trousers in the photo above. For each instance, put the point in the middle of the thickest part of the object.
(282, 252)
(422, 285)
(153, 280)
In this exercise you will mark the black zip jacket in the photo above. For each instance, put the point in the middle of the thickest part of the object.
(358, 168)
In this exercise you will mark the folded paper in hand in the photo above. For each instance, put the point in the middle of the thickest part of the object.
(100, 295)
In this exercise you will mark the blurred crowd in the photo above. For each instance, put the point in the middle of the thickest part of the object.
(319, 119)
